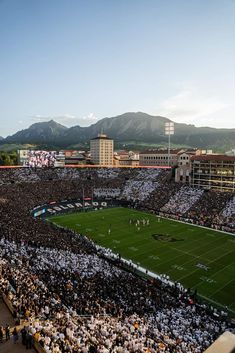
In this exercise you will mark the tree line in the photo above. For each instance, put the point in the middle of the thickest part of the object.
(8, 158)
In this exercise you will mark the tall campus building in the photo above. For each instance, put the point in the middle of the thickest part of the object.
(101, 148)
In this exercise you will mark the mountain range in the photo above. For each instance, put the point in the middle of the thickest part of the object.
(129, 128)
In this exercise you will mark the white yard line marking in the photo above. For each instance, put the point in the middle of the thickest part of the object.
(214, 260)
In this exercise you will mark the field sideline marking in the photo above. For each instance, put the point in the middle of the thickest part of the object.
(197, 225)
(178, 249)
(214, 301)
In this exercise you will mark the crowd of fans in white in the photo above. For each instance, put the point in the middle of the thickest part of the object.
(148, 174)
(46, 287)
(183, 200)
(228, 214)
(138, 190)
(108, 173)
(142, 185)
(107, 192)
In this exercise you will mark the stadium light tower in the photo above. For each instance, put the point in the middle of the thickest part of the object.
(169, 130)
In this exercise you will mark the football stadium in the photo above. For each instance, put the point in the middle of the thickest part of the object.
(116, 259)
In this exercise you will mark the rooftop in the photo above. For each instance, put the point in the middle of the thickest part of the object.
(165, 151)
(213, 157)
(101, 137)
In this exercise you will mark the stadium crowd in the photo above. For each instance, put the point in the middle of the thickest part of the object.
(182, 201)
(157, 193)
(80, 302)
(74, 297)
(107, 192)
(207, 211)
(228, 213)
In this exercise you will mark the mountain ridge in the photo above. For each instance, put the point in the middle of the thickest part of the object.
(130, 126)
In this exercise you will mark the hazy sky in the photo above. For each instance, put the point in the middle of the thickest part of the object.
(77, 61)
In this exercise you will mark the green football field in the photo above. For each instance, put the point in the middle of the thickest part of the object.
(196, 257)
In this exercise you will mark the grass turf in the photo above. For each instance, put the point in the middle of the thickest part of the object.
(178, 254)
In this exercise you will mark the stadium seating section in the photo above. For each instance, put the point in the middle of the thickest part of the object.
(77, 300)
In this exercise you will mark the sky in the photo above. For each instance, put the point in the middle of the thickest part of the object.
(77, 61)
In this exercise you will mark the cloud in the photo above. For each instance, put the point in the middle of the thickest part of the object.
(67, 119)
(89, 119)
(40, 118)
(190, 106)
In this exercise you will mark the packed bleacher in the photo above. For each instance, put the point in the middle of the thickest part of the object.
(107, 192)
(151, 189)
(80, 300)
(140, 186)
(228, 213)
(71, 294)
(207, 211)
(182, 201)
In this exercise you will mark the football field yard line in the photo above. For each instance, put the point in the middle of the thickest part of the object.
(222, 269)
(172, 258)
(218, 290)
(208, 264)
(193, 257)
(211, 241)
(198, 257)
(209, 298)
(230, 251)
(188, 253)
(194, 241)
(165, 246)
(230, 305)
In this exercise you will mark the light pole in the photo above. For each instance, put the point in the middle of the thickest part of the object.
(169, 130)
(83, 195)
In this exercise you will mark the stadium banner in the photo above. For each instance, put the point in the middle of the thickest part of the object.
(53, 208)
